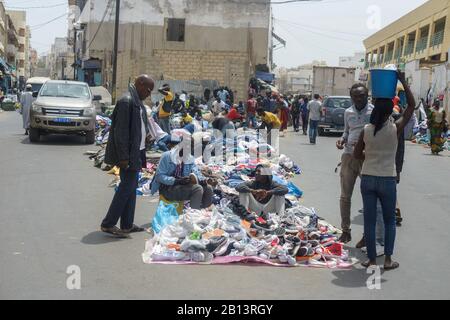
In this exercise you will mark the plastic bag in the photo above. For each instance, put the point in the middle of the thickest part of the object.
(165, 215)
(294, 190)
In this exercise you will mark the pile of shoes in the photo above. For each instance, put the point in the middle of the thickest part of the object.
(298, 237)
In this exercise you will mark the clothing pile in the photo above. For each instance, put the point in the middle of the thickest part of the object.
(102, 126)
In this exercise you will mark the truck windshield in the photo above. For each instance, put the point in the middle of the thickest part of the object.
(339, 103)
(65, 90)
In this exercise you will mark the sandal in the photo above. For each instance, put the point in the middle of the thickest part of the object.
(367, 264)
(393, 266)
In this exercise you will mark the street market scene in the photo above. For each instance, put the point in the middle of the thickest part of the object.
(225, 150)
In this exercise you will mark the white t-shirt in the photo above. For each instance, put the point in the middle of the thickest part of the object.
(143, 131)
(218, 107)
(155, 130)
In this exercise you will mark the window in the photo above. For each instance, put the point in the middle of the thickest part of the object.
(175, 29)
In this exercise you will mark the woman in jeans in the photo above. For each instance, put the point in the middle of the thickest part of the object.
(377, 146)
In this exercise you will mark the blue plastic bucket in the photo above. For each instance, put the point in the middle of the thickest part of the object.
(384, 83)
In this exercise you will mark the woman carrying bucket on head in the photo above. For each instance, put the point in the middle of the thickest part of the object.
(377, 146)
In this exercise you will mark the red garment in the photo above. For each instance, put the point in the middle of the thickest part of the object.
(251, 106)
(234, 114)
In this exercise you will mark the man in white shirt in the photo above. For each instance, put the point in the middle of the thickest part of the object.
(355, 118)
(162, 138)
(218, 106)
(315, 109)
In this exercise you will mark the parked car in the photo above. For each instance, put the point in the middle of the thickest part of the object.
(64, 107)
(334, 109)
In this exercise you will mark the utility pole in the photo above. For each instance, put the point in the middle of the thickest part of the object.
(75, 54)
(115, 52)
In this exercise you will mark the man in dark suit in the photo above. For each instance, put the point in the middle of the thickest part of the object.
(126, 149)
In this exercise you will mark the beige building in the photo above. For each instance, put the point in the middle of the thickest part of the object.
(419, 43)
(423, 34)
(3, 31)
(223, 40)
(297, 80)
(19, 19)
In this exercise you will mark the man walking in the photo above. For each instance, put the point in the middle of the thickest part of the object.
(355, 118)
(126, 149)
(305, 115)
(315, 110)
(26, 100)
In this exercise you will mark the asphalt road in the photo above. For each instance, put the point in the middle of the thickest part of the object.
(52, 200)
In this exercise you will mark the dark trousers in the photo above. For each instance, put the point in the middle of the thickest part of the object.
(305, 122)
(124, 202)
(199, 196)
(296, 121)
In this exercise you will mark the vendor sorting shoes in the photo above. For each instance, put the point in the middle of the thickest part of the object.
(263, 195)
(179, 179)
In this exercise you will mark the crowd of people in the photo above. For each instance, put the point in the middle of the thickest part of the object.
(373, 147)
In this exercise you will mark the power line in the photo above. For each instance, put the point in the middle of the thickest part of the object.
(101, 23)
(326, 35)
(37, 26)
(40, 7)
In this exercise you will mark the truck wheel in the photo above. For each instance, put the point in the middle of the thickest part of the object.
(90, 137)
(321, 132)
(34, 135)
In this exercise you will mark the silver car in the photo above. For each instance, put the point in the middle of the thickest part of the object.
(64, 107)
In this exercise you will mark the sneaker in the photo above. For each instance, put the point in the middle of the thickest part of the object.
(116, 232)
(225, 250)
(193, 178)
(215, 243)
(379, 250)
(361, 243)
(201, 256)
(346, 237)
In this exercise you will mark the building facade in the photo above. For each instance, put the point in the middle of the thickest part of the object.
(19, 19)
(419, 44)
(222, 40)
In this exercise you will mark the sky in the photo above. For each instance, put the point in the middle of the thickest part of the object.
(321, 30)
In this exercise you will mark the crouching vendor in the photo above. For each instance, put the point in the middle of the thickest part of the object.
(178, 178)
(263, 195)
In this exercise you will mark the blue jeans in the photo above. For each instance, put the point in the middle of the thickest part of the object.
(383, 189)
(313, 125)
(162, 144)
(251, 120)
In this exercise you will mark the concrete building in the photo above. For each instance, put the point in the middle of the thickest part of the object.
(19, 19)
(357, 61)
(223, 40)
(418, 43)
(58, 59)
(3, 31)
(297, 80)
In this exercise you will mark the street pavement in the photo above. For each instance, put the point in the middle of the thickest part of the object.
(52, 201)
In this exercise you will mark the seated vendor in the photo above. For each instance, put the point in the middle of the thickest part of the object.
(223, 127)
(263, 195)
(178, 178)
(162, 138)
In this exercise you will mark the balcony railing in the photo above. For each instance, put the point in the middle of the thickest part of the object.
(389, 56)
(11, 50)
(409, 49)
(437, 38)
(422, 44)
